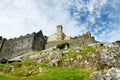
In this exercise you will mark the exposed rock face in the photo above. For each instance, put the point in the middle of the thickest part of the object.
(96, 60)
(110, 58)
(105, 59)
(108, 64)
(110, 74)
(52, 58)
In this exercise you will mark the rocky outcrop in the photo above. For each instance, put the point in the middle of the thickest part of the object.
(108, 64)
(96, 59)
(102, 57)
(110, 74)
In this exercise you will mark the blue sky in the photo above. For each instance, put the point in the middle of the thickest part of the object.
(101, 17)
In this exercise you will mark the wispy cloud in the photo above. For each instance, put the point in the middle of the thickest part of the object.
(101, 17)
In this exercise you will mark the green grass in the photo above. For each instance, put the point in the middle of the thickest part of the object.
(49, 73)
(87, 49)
(3, 65)
(72, 54)
(57, 73)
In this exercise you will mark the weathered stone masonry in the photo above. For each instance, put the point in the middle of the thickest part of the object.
(77, 41)
(24, 44)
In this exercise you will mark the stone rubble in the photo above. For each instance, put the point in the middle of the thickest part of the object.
(105, 60)
(108, 64)
(110, 74)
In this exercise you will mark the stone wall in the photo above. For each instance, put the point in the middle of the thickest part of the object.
(24, 44)
(79, 41)
(52, 37)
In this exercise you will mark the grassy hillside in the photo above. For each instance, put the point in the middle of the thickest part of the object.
(56, 73)
(41, 65)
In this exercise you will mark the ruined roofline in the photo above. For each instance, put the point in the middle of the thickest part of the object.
(83, 34)
(23, 36)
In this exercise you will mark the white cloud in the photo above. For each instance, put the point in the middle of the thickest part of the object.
(24, 17)
(19, 17)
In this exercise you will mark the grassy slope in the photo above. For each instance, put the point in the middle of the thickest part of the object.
(51, 73)
(57, 73)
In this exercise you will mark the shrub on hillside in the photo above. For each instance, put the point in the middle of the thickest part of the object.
(63, 45)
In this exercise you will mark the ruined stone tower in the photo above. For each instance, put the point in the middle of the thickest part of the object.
(60, 32)
(59, 35)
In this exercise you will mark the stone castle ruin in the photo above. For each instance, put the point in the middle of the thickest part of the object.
(60, 37)
(36, 41)
(24, 44)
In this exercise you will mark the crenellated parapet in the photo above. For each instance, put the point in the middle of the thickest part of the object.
(84, 36)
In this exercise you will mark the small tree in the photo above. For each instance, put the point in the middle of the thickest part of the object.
(63, 45)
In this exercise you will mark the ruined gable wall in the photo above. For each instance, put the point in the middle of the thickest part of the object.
(39, 41)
